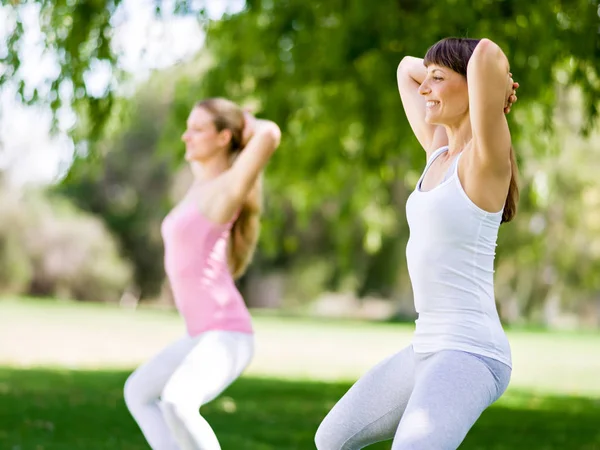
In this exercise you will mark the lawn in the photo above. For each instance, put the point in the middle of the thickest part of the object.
(63, 368)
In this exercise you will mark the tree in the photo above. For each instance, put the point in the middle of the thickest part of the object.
(320, 41)
(131, 187)
(325, 71)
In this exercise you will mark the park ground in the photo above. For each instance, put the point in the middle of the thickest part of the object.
(63, 365)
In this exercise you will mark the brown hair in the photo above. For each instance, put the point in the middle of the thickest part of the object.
(455, 53)
(245, 230)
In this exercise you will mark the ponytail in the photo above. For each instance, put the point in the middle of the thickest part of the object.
(245, 232)
(512, 199)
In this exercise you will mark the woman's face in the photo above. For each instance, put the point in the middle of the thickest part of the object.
(201, 137)
(446, 95)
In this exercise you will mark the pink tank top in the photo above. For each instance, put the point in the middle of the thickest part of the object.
(196, 265)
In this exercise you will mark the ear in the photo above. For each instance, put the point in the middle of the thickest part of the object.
(224, 137)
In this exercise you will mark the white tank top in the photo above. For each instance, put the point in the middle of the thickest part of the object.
(450, 255)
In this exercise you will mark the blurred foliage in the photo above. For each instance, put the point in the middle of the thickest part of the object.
(325, 70)
(130, 190)
(47, 247)
(323, 57)
(549, 258)
(77, 34)
(336, 188)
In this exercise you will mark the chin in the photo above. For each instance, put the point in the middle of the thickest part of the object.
(193, 155)
(434, 120)
(430, 120)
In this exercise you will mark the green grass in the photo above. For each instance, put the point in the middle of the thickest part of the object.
(67, 410)
(63, 365)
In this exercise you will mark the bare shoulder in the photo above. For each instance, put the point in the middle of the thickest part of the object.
(214, 199)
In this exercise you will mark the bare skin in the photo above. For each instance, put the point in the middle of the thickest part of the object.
(443, 109)
(218, 189)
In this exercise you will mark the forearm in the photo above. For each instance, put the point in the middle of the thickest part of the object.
(413, 68)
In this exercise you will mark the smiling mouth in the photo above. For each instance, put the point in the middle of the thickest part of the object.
(431, 103)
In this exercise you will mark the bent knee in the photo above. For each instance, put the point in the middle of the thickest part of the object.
(136, 394)
(322, 440)
(177, 411)
(329, 437)
(177, 400)
(130, 391)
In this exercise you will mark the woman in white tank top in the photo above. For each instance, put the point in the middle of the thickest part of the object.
(430, 394)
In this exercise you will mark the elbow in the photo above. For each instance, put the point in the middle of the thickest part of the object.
(486, 47)
(487, 55)
(271, 133)
(488, 50)
(401, 70)
(486, 43)
(275, 133)
(403, 65)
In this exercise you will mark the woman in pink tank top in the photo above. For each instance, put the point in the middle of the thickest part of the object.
(209, 240)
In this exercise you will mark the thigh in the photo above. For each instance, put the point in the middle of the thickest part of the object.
(370, 411)
(214, 362)
(151, 377)
(452, 389)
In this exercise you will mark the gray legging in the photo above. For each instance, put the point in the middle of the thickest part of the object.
(424, 401)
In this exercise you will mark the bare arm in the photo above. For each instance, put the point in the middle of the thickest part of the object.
(410, 75)
(261, 138)
(489, 85)
(228, 193)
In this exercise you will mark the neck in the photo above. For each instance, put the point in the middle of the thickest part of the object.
(459, 135)
(208, 170)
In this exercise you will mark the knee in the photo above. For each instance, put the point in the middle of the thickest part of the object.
(321, 441)
(174, 394)
(135, 394)
(328, 438)
(176, 403)
(176, 411)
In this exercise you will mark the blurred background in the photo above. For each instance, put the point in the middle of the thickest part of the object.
(94, 95)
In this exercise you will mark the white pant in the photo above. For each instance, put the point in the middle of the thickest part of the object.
(424, 401)
(165, 394)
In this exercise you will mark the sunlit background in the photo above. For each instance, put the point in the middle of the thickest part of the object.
(93, 101)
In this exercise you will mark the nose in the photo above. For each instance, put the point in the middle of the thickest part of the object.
(184, 136)
(424, 88)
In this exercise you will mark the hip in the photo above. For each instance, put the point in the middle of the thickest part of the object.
(484, 337)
